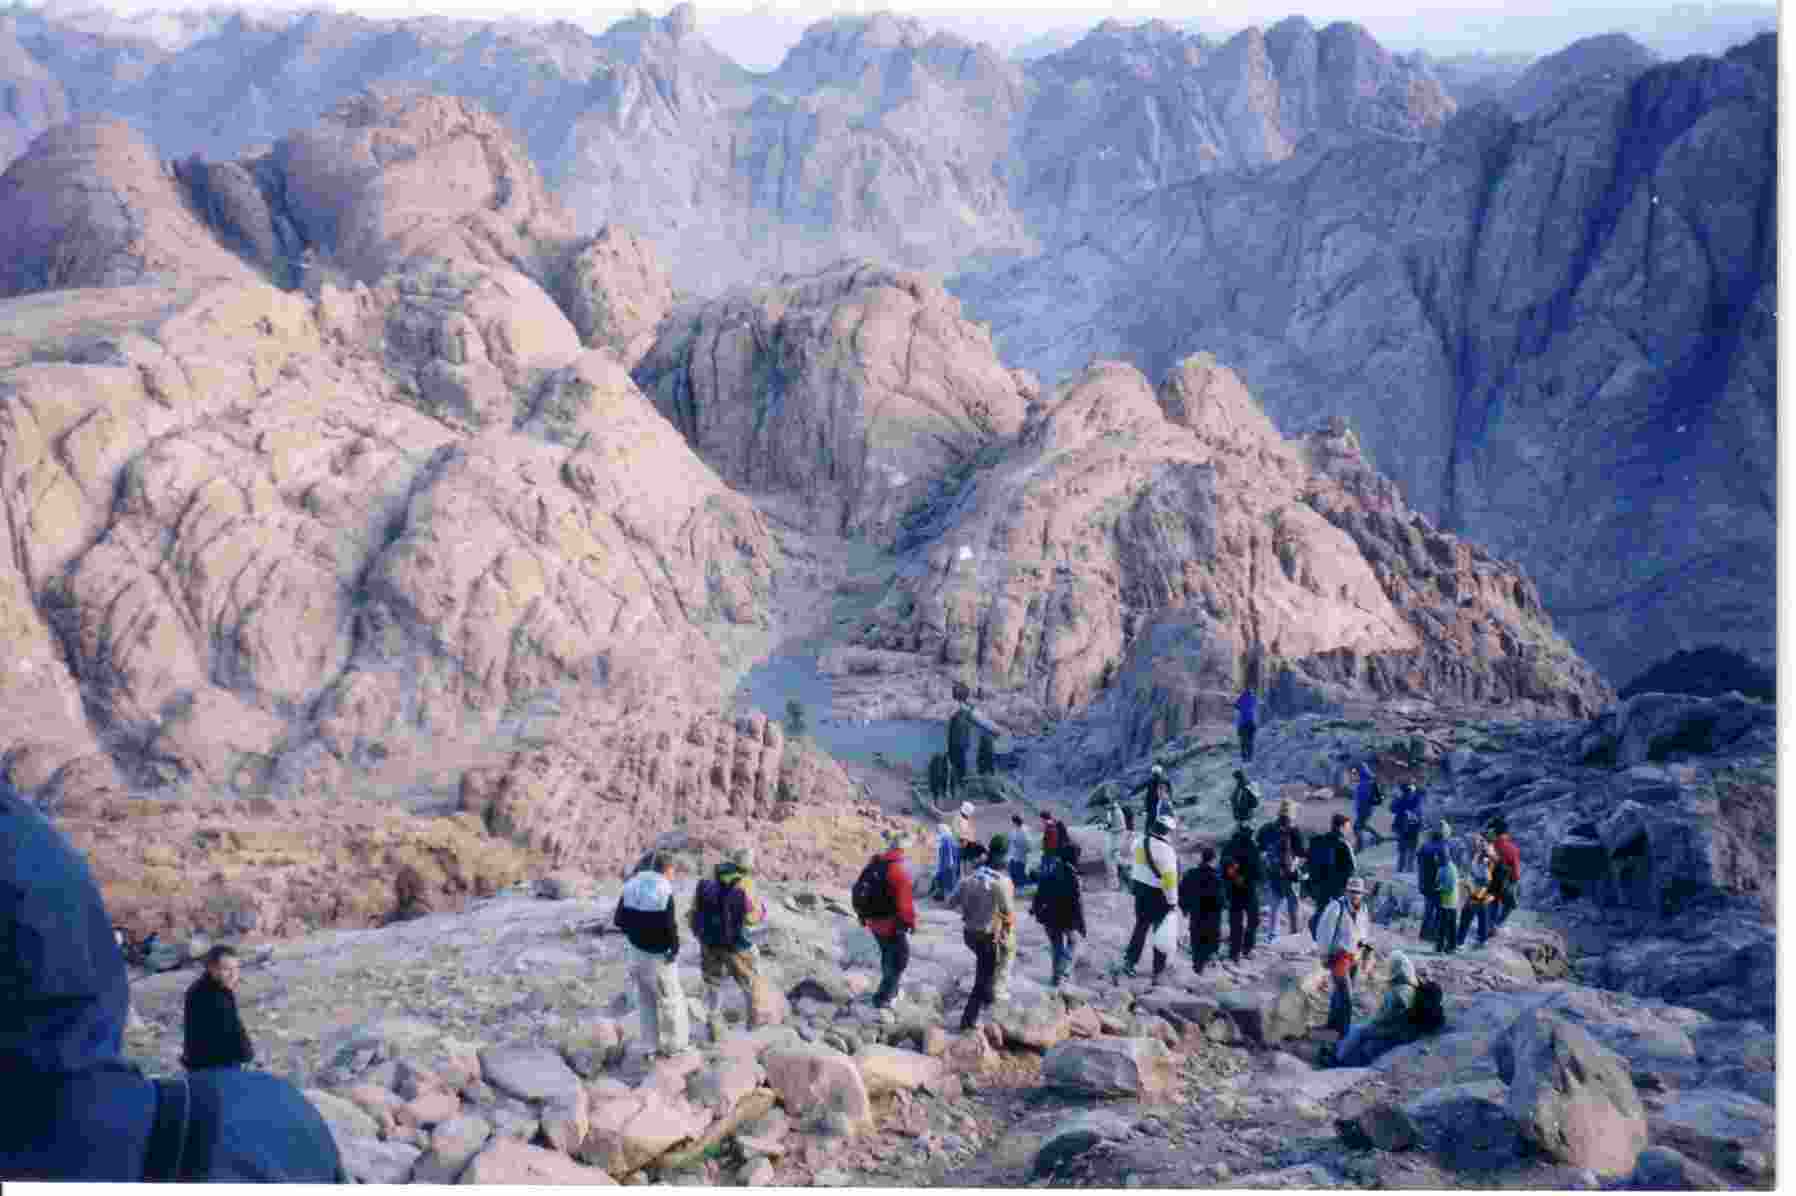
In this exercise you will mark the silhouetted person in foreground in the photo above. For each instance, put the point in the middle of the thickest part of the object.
(81, 1112)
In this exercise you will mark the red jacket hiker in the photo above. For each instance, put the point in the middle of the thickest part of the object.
(898, 880)
(1511, 856)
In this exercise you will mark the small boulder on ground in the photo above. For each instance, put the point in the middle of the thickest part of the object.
(1573, 1097)
(529, 1073)
(510, 1162)
(1111, 1067)
(892, 1069)
(1078, 1134)
(815, 1081)
(369, 1162)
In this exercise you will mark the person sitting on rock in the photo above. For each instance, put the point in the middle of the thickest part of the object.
(1156, 883)
(1156, 794)
(1390, 1027)
(723, 908)
(987, 902)
(1201, 899)
(1059, 906)
(1343, 933)
(947, 863)
(892, 930)
(212, 1032)
(645, 914)
(1241, 874)
(82, 1112)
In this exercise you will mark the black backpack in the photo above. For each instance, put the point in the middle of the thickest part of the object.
(1377, 793)
(711, 916)
(872, 892)
(1428, 1012)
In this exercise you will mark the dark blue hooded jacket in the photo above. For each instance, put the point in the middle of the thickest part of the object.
(79, 1110)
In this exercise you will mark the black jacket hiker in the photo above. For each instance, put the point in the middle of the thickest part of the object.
(212, 1032)
(1241, 874)
(1201, 900)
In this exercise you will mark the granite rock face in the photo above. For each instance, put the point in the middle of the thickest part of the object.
(1173, 544)
(852, 389)
(1613, 369)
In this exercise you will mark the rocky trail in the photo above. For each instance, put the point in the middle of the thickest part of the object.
(498, 1043)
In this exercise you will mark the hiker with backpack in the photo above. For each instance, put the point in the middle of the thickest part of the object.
(1053, 834)
(1343, 933)
(1059, 906)
(882, 900)
(1123, 855)
(645, 913)
(1406, 824)
(1281, 852)
(1509, 856)
(1428, 872)
(1403, 1016)
(1156, 880)
(1201, 899)
(1246, 720)
(723, 908)
(987, 904)
(1156, 794)
(1481, 862)
(1368, 795)
(1244, 799)
(80, 1110)
(947, 863)
(963, 826)
(1330, 866)
(1241, 875)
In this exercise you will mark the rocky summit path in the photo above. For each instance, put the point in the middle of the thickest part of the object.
(499, 1043)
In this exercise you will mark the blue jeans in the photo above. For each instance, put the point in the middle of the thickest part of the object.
(1431, 912)
(1019, 873)
(1064, 945)
(1406, 852)
(894, 957)
(1340, 1003)
(1279, 893)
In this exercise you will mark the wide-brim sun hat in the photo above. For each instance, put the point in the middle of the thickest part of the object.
(1356, 885)
(966, 807)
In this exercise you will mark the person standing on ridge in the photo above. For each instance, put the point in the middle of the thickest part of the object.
(1446, 930)
(1201, 899)
(1366, 798)
(947, 863)
(1344, 931)
(1059, 906)
(1281, 851)
(1510, 880)
(884, 902)
(1246, 718)
(1428, 873)
(1157, 796)
(1406, 824)
(212, 1032)
(1331, 865)
(723, 908)
(987, 904)
(1241, 873)
(1156, 883)
(645, 913)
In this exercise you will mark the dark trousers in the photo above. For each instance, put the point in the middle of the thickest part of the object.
(1205, 942)
(1019, 873)
(1431, 913)
(1150, 906)
(1245, 731)
(1446, 930)
(1244, 922)
(894, 957)
(1060, 943)
(1406, 852)
(985, 971)
(1505, 907)
(1481, 913)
